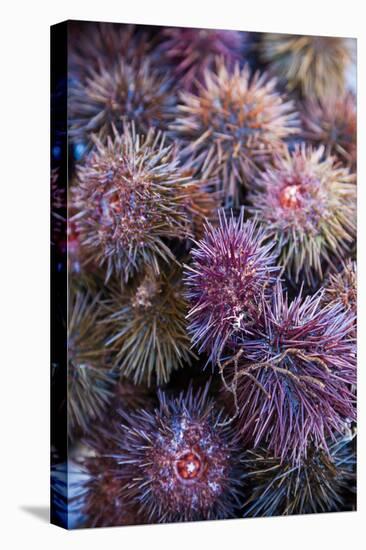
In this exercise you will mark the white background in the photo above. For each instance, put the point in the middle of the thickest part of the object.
(24, 290)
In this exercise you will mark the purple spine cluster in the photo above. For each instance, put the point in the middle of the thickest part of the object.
(230, 273)
(296, 375)
(289, 366)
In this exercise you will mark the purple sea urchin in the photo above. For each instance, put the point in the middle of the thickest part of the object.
(307, 203)
(130, 92)
(292, 383)
(315, 65)
(129, 200)
(179, 462)
(318, 484)
(89, 382)
(147, 328)
(234, 122)
(334, 124)
(94, 44)
(192, 51)
(229, 274)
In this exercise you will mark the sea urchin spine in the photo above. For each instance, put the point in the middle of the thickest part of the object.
(180, 462)
(147, 328)
(293, 379)
(307, 203)
(315, 65)
(129, 201)
(317, 484)
(229, 274)
(235, 122)
(192, 51)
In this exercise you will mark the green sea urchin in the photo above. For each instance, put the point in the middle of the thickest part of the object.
(318, 484)
(89, 381)
(129, 201)
(307, 203)
(137, 93)
(315, 65)
(147, 328)
(234, 122)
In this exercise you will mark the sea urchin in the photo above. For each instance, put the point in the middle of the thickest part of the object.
(230, 272)
(137, 93)
(180, 462)
(317, 484)
(147, 328)
(293, 379)
(307, 202)
(334, 124)
(234, 122)
(192, 51)
(89, 381)
(316, 65)
(129, 200)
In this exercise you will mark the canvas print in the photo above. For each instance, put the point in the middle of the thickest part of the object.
(204, 283)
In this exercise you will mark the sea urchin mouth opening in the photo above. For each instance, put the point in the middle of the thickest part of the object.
(188, 466)
(290, 196)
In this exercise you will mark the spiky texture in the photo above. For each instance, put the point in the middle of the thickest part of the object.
(192, 51)
(334, 124)
(146, 327)
(342, 287)
(179, 462)
(129, 201)
(307, 203)
(137, 93)
(234, 122)
(94, 44)
(89, 384)
(58, 208)
(318, 484)
(292, 381)
(102, 500)
(201, 201)
(230, 272)
(315, 65)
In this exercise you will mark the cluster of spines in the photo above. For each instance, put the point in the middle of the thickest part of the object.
(235, 130)
(290, 376)
(230, 272)
(290, 363)
(191, 52)
(319, 483)
(296, 373)
(129, 200)
(314, 66)
(233, 124)
(307, 203)
(145, 324)
(178, 462)
(89, 379)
